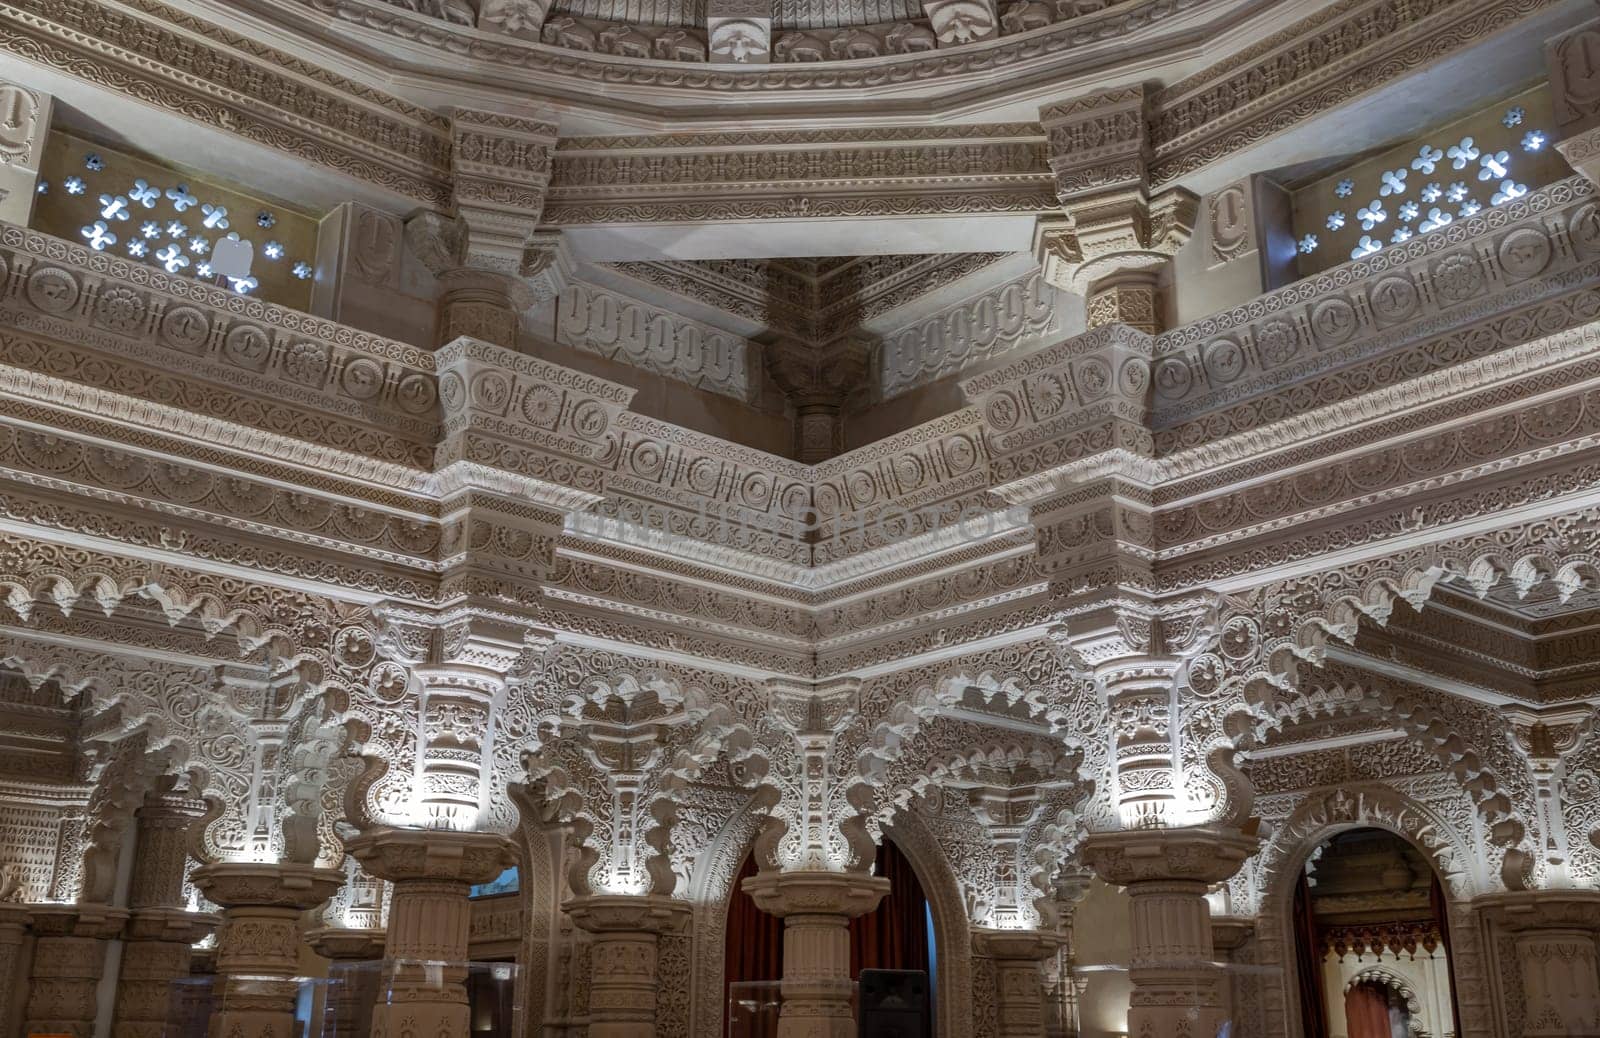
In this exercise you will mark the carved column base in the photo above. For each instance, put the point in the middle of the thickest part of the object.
(156, 951)
(1555, 933)
(429, 921)
(258, 943)
(622, 990)
(1177, 989)
(69, 956)
(816, 908)
(1019, 1000)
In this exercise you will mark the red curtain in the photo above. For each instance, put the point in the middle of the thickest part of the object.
(895, 935)
(1308, 963)
(1366, 1011)
(752, 946)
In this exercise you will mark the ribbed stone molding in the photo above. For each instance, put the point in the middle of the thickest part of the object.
(353, 975)
(258, 943)
(429, 920)
(1018, 957)
(14, 921)
(1554, 932)
(69, 955)
(1167, 872)
(622, 989)
(156, 951)
(816, 908)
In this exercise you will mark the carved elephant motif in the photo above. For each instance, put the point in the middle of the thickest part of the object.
(679, 45)
(855, 43)
(908, 37)
(626, 41)
(801, 46)
(569, 32)
(1025, 15)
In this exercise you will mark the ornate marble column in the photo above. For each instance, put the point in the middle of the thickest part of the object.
(156, 948)
(429, 921)
(69, 956)
(491, 267)
(1018, 957)
(816, 908)
(1166, 873)
(258, 943)
(1116, 238)
(622, 990)
(14, 920)
(353, 975)
(1554, 932)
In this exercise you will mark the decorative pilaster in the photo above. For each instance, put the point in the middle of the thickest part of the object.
(816, 908)
(429, 921)
(157, 945)
(1545, 737)
(69, 956)
(1167, 873)
(24, 125)
(626, 929)
(1117, 239)
(1018, 957)
(1554, 932)
(258, 943)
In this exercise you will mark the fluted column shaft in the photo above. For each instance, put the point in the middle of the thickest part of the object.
(430, 917)
(156, 948)
(1166, 872)
(258, 943)
(816, 908)
(69, 956)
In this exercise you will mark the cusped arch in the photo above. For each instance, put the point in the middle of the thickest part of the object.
(1326, 814)
(1388, 978)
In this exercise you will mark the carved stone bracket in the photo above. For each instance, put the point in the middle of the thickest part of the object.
(1119, 236)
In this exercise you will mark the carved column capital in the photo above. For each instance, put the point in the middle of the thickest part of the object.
(346, 944)
(844, 895)
(405, 855)
(1525, 911)
(1200, 856)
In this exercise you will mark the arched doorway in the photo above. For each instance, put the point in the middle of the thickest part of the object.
(898, 934)
(1372, 940)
